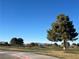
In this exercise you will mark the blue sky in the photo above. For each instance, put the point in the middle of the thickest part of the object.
(30, 19)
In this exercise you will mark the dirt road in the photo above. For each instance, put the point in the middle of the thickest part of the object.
(22, 55)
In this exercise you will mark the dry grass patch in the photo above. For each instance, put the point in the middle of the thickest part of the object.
(61, 54)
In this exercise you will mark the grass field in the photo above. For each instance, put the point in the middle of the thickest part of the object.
(71, 53)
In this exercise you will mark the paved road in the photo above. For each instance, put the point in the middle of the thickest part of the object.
(22, 55)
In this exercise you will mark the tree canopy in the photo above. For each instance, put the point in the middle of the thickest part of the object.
(16, 41)
(62, 29)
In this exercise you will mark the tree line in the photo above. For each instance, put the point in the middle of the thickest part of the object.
(13, 42)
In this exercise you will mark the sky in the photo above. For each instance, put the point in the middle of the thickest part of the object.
(30, 19)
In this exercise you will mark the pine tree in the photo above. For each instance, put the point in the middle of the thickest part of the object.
(62, 30)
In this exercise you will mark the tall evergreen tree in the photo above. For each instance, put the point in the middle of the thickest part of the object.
(62, 30)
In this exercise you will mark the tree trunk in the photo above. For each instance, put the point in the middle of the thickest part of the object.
(64, 45)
